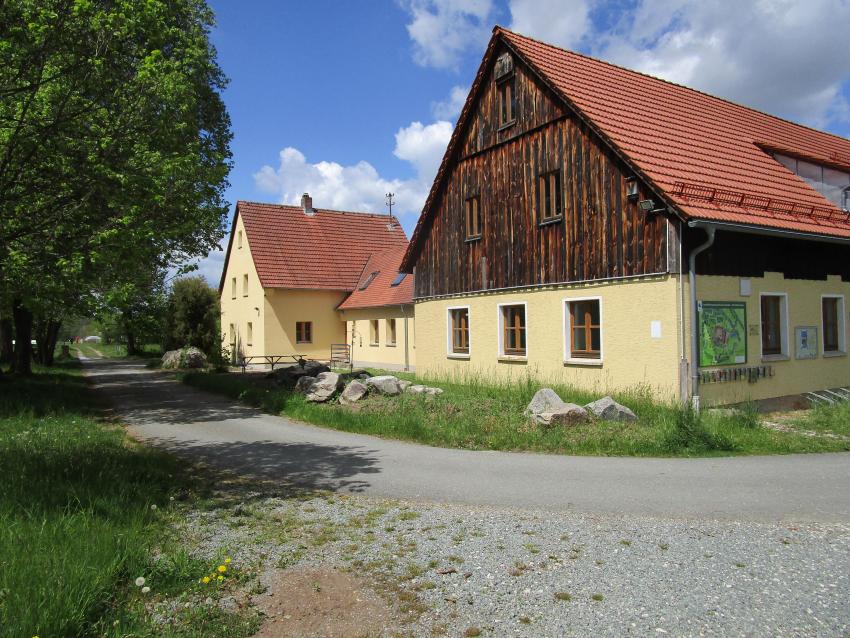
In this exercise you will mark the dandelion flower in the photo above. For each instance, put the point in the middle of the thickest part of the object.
(222, 569)
(220, 577)
(205, 580)
(227, 561)
(140, 581)
(146, 590)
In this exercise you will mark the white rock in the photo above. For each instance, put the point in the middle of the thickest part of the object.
(609, 410)
(544, 400)
(353, 392)
(323, 388)
(384, 384)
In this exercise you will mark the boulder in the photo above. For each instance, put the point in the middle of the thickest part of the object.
(423, 389)
(323, 387)
(360, 373)
(189, 357)
(544, 400)
(303, 384)
(403, 384)
(289, 375)
(569, 414)
(353, 392)
(609, 410)
(384, 384)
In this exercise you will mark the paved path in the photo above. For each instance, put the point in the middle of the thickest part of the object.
(188, 421)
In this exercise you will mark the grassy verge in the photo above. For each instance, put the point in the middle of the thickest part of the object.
(113, 350)
(475, 414)
(84, 512)
(826, 419)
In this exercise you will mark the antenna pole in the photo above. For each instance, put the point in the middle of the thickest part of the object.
(390, 202)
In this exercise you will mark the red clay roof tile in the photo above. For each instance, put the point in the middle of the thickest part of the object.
(326, 251)
(380, 291)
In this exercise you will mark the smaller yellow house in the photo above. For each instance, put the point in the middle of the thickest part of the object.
(378, 315)
(287, 270)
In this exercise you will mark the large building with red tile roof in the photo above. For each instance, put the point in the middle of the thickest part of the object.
(289, 269)
(607, 229)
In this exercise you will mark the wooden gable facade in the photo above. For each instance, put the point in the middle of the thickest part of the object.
(550, 197)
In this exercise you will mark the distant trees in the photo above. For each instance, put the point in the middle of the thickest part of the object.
(193, 316)
(114, 156)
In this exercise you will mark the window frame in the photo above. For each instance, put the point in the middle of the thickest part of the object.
(374, 333)
(784, 332)
(840, 328)
(450, 345)
(473, 204)
(245, 285)
(238, 239)
(368, 282)
(567, 333)
(500, 313)
(233, 288)
(507, 84)
(554, 179)
(300, 332)
(232, 335)
(390, 321)
(249, 333)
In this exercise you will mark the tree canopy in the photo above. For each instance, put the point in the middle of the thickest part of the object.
(114, 148)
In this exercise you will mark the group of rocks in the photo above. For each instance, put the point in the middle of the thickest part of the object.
(547, 408)
(189, 357)
(320, 384)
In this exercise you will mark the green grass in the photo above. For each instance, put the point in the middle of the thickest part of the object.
(111, 350)
(477, 414)
(76, 522)
(831, 419)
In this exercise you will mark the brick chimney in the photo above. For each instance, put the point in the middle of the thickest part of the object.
(307, 204)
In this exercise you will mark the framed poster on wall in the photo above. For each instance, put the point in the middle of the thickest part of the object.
(722, 333)
(806, 340)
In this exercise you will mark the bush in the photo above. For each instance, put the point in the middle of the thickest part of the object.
(690, 433)
(193, 316)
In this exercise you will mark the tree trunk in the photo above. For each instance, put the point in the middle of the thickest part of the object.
(46, 339)
(131, 344)
(23, 338)
(6, 349)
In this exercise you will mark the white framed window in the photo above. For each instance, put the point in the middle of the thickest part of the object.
(513, 330)
(583, 330)
(232, 339)
(833, 335)
(458, 332)
(249, 334)
(245, 285)
(391, 333)
(773, 307)
(233, 288)
(239, 239)
(374, 338)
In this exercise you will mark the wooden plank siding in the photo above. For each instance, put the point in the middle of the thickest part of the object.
(602, 233)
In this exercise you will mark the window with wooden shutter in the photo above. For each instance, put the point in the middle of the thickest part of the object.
(585, 336)
(513, 330)
(549, 205)
(460, 330)
(473, 218)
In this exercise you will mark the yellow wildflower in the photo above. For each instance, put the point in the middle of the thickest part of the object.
(220, 577)
(222, 569)
(227, 561)
(205, 580)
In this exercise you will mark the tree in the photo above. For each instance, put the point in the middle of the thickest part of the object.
(114, 148)
(193, 316)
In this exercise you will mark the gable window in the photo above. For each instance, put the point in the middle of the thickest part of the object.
(239, 239)
(374, 340)
(512, 318)
(233, 288)
(585, 329)
(391, 332)
(459, 331)
(507, 101)
(303, 332)
(473, 218)
(369, 279)
(549, 197)
(249, 334)
(244, 285)
(774, 332)
(832, 308)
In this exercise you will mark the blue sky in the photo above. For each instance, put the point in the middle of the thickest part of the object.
(350, 99)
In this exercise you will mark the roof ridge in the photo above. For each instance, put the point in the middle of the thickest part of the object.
(321, 210)
(499, 28)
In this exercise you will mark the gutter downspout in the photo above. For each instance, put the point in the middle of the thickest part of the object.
(692, 262)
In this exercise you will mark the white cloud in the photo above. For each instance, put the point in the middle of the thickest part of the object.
(360, 187)
(451, 107)
(443, 30)
(559, 22)
(781, 56)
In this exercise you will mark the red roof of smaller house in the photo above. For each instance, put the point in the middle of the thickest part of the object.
(380, 291)
(325, 251)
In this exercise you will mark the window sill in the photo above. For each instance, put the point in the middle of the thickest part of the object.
(457, 355)
(374, 345)
(834, 353)
(551, 220)
(472, 240)
(303, 343)
(775, 357)
(391, 345)
(583, 362)
(506, 126)
(513, 358)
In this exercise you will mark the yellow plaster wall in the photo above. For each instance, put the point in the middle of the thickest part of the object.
(284, 307)
(630, 356)
(242, 309)
(791, 376)
(385, 356)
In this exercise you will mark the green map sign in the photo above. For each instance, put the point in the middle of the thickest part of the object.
(722, 333)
